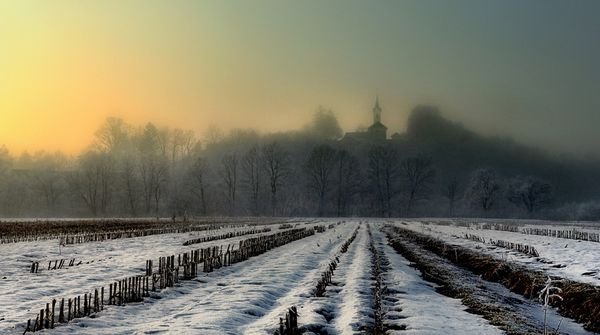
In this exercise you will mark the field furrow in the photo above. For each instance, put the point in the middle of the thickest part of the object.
(221, 302)
(414, 307)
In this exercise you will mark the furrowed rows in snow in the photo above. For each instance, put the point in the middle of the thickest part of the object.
(136, 288)
(63, 263)
(83, 231)
(344, 280)
(380, 266)
(326, 276)
(580, 302)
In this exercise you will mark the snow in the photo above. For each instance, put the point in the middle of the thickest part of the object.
(420, 307)
(225, 301)
(250, 297)
(564, 258)
(108, 261)
(355, 297)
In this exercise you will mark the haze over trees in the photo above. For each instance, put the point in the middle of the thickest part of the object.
(436, 168)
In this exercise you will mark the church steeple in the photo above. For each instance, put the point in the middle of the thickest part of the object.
(376, 111)
(377, 132)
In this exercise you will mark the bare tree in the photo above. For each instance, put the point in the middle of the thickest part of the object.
(484, 188)
(347, 178)
(182, 143)
(451, 192)
(252, 177)
(116, 138)
(529, 193)
(48, 183)
(92, 181)
(418, 174)
(276, 164)
(212, 135)
(163, 139)
(153, 167)
(5, 161)
(130, 180)
(324, 125)
(158, 183)
(112, 135)
(48, 171)
(198, 173)
(229, 174)
(383, 174)
(188, 143)
(319, 168)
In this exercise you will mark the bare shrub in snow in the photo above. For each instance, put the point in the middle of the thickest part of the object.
(548, 293)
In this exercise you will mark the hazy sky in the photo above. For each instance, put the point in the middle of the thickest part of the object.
(529, 69)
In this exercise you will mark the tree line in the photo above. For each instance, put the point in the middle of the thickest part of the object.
(158, 171)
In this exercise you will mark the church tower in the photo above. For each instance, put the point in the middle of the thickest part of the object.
(376, 112)
(377, 131)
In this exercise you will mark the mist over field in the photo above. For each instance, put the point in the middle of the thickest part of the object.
(264, 167)
(435, 167)
(107, 113)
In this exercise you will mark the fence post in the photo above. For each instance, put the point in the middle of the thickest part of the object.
(52, 315)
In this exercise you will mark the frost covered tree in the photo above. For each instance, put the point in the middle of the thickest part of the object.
(47, 177)
(252, 175)
(418, 175)
(198, 187)
(450, 191)
(484, 188)
(112, 135)
(276, 164)
(229, 176)
(319, 169)
(529, 193)
(383, 173)
(347, 179)
(92, 181)
(153, 167)
(324, 125)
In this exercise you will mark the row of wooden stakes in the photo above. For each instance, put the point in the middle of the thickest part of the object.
(528, 250)
(226, 236)
(571, 234)
(134, 289)
(97, 231)
(525, 249)
(103, 236)
(327, 275)
(58, 264)
(290, 325)
(46, 317)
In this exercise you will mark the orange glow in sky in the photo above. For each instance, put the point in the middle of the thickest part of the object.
(499, 67)
(67, 65)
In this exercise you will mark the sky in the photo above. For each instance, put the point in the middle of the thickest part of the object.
(525, 69)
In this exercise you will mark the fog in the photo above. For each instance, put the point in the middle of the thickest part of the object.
(528, 70)
(437, 167)
(242, 108)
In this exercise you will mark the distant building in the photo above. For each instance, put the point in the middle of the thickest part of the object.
(377, 132)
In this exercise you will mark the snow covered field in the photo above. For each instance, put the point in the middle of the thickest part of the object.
(103, 262)
(565, 258)
(249, 297)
